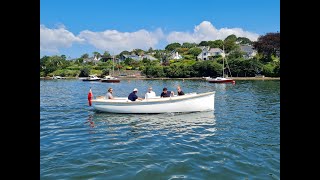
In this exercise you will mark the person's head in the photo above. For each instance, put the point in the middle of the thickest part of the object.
(135, 90)
(164, 90)
(149, 89)
(110, 90)
(179, 88)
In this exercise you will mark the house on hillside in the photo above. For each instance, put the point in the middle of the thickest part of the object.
(208, 53)
(174, 55)
(94, 60)
(136, 57)
(248, 50)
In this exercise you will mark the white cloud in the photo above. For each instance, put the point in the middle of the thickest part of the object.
(115, 41)
(53, 39)
(205, 31)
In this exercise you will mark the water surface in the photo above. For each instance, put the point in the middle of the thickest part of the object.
(240, 139)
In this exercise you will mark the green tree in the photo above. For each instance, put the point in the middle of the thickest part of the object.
(150, 50)
(244, 40)
(188, 45)
(195, 51)
(85, 56)
(96, 54)
(231, 37)
(172, 46)
(203, 43)
(84, 72)
(215, 44)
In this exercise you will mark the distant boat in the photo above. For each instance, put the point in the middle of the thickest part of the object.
(58, 77)
(222, 79)
(110, 79)
(91, 78)
(187, 103)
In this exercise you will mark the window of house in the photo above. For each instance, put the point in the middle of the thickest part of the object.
(204, 54)
(204, 58)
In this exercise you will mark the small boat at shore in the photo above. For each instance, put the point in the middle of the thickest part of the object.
(110, 79)
(192, 102)
(91, 78)
(58, 77)
(222, 79)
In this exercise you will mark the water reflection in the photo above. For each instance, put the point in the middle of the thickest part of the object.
(166, 123)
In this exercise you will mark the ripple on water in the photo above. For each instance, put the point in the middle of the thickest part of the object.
(239, 140)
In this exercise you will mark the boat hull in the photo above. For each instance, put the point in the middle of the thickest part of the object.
(186, 103)
(221, 81)
(110, 80)
(90, 79)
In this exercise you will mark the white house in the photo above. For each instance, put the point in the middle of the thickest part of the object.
(208, 53)
(248, 50)
(177, 56)
(94, 59)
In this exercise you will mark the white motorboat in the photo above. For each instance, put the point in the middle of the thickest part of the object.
(110, 79)
(91, 78)
(57, 77)
(187, 103)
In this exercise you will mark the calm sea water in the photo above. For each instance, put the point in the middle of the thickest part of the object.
(239, 140)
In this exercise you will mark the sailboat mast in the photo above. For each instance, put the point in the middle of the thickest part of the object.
(113, 65)
(223, 62)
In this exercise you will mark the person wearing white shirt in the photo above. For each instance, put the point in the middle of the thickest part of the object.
(150, 93)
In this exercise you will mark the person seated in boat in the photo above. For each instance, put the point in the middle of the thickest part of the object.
(150, 94)
(133, 96)
(180, 92)
(166, 93)
(109, 94)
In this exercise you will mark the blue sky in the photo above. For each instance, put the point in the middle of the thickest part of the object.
(75, 27)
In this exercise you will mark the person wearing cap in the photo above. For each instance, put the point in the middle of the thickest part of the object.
(150, 93)
(109, 94)
(166, 93)
(133, 96)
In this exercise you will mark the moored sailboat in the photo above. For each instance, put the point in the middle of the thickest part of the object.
(222, 79)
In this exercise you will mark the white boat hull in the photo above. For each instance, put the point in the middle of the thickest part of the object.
(186, 103)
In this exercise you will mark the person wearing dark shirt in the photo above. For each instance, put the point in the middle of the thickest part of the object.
(166, 93)
(180, 92)
(133, 96)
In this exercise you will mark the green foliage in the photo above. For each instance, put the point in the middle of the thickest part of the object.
(105, 72)
(230, 45)
(97, 72)
(231, 37)
(65, 73)
(268, 45)
(244, 40)
(268, 69)
(267, 61)
(188, 45)
(203, 43)
(84, 72)
(215, 44)
(194, 51)
(189, 57)
(172, 46)
(84, 56)
(182, 50)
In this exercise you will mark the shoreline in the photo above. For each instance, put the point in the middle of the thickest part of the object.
(193, 78)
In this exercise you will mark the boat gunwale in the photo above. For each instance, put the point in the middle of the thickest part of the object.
(154, 100)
